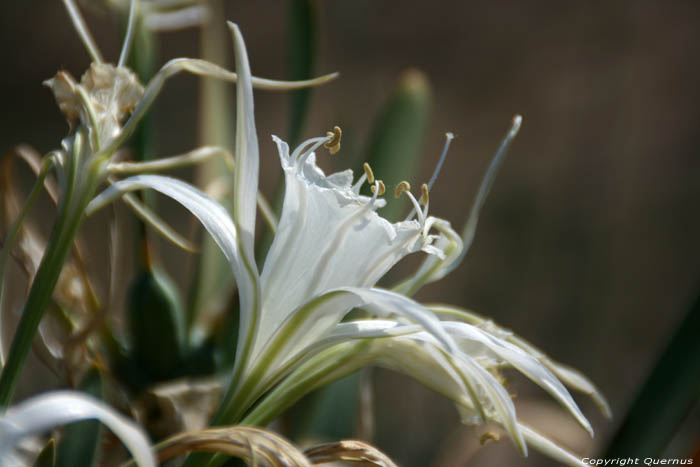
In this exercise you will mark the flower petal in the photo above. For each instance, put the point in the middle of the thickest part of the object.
(246, 149)
(434, 267)
(328, 236)
(520, 360)
(47, 411)
(213, 217)
(549, 448)
(315, 319)
(569, 376)
(486, 393)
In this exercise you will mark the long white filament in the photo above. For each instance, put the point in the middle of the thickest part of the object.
(83, 31)
(486, 183)
(129, 36)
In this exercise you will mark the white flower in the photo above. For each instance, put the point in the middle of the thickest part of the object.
(330, 249)
(47, 411)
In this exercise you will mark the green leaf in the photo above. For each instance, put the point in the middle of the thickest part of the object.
(669, 392)
(80, 441)
(397, 136)
(155, 321)
(47, 456)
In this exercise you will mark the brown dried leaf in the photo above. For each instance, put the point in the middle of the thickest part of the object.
(177, 406)
(349, 450)
(255, 446)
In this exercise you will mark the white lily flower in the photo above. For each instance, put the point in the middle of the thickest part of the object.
(330, 249)
(50, 410)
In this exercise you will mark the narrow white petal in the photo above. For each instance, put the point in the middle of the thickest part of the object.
(576, 380)
(213, 217)
(550, 448)
(315, 319)
(245, 189)
(569, 376)
(435, 267)
(246, 149)
(520, 360)
(211, 214)
(490, 393)
(48, 411)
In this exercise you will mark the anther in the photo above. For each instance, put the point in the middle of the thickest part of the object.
(380, 186)
(401, 187)
(368, 172)
(424, 194)
(333, 145)
(488, 437)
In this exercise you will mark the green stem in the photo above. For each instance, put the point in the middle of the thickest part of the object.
(16, 227)
(70, 216)
(319, 370)
(324, 368)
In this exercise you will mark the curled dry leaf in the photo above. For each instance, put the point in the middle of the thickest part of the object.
(73, 291)
(179, 406)
(348, 450)
(255, 446)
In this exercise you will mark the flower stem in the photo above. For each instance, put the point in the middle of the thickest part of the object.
(70, 216)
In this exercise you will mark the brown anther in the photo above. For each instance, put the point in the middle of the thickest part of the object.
(381, 186)
(333, 145)
(368, 172)
(488, 437)
(424, 194)
(401, 187)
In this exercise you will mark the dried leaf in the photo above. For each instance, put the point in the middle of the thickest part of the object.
(180, 406)
(255, 446)
(348, 450)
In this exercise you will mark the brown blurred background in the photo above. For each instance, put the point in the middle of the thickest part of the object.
(587, 245)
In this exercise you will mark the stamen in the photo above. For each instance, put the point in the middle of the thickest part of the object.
(448, 140)
(314, 142)
(368, 172)
(129, 37)
(489, 437)
(333, 145)
(469, 230)
(405, 187)
(424, 194)
(401, 187)
(83, 31)
(378, 186)
(358, 184)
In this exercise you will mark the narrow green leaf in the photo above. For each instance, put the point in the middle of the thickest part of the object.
(397, 136)
(669, 392)
(47, 456)
(154, 317)
(80, 441)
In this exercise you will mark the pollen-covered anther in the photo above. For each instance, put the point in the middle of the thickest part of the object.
(368, 172)
(488, 437)
(379, 187)
(333, 144)
(424, 194)
(401, 187)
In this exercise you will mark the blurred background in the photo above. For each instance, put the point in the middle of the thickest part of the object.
(587, 246)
